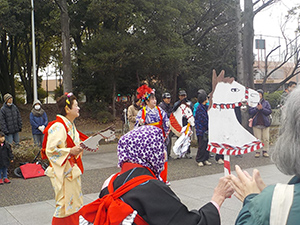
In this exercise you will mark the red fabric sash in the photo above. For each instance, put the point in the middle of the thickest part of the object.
(110, 209)
(70, 143)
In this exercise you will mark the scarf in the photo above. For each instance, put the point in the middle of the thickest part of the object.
(144, 146)
(37, 113)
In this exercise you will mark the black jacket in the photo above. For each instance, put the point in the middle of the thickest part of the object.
(158, 204)
(5, 155)
(166, 107)
(10, 119)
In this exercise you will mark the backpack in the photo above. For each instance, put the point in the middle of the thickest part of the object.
(70, 143)
(110, 209)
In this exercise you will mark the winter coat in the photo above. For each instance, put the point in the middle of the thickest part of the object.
(131, 114)
(156, 203)
(5, 155)
(166, 107)
(264, 112)
(201, 120)
(256, 208)
(10, 119)
(37, 121)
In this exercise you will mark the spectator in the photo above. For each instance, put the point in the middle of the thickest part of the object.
(38, 121)
(142, 152)
(6, 157)
(201, 125)
(132, 112)
(166, 103)
(166, 106)
(64, 154)
(290, 87)
(274, 204)
(261, 122)
(197, 103)
(10, 119)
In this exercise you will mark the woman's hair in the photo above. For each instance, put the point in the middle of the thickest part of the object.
(286, 154)
(149, 97)
(63, 101)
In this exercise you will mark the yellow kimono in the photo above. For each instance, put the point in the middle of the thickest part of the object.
(65, 179)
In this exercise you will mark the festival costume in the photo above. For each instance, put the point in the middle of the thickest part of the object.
(141, 152)
(155, 117)
(64, 170)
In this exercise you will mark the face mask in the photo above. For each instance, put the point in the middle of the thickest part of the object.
(9, 104)
(37, 107)
(207, 103)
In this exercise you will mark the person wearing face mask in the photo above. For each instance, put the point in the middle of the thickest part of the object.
(38, 121)
(10, 120)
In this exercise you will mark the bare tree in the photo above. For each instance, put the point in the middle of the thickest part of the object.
(250, 10)
(66, 52)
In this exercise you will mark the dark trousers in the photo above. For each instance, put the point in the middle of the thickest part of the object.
(202, 153)
(169, 143)
(218, 156)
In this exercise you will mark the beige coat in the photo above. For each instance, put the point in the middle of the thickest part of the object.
(131, 114)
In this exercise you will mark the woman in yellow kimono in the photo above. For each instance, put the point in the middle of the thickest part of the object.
(64, 154)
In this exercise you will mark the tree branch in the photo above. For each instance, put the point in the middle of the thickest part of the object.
(268, 3)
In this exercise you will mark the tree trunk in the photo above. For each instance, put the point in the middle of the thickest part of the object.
(174, 92)
(66, 54)
(239, 46)
(4, 67)
(114, 98)
(248, 37)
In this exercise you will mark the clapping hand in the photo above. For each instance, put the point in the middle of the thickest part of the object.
(245, 185)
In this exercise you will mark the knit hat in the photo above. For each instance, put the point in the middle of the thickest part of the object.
(36, 102)
(6, 97)
(260, 91)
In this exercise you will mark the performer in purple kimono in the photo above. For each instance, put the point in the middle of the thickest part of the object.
(151, 114)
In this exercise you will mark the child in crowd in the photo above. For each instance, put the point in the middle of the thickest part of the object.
(6, 157)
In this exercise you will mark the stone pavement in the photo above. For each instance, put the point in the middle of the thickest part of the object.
(194, 192)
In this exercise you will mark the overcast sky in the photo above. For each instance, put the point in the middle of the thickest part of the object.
(268, 22)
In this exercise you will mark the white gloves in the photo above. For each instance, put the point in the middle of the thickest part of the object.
(41, 128)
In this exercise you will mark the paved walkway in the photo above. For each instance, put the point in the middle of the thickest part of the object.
(193, 192)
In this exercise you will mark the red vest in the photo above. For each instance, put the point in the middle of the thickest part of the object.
(70, 143)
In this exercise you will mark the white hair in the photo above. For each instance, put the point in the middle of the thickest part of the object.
(286, 154)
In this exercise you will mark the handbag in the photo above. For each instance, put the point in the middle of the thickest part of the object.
(250, 124)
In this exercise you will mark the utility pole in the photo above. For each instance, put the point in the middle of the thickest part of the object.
(35, 95)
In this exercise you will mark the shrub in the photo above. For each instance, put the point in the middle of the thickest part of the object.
(273, 98)
(99, 111)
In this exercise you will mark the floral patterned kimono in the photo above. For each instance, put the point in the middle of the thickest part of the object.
(64, 174)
